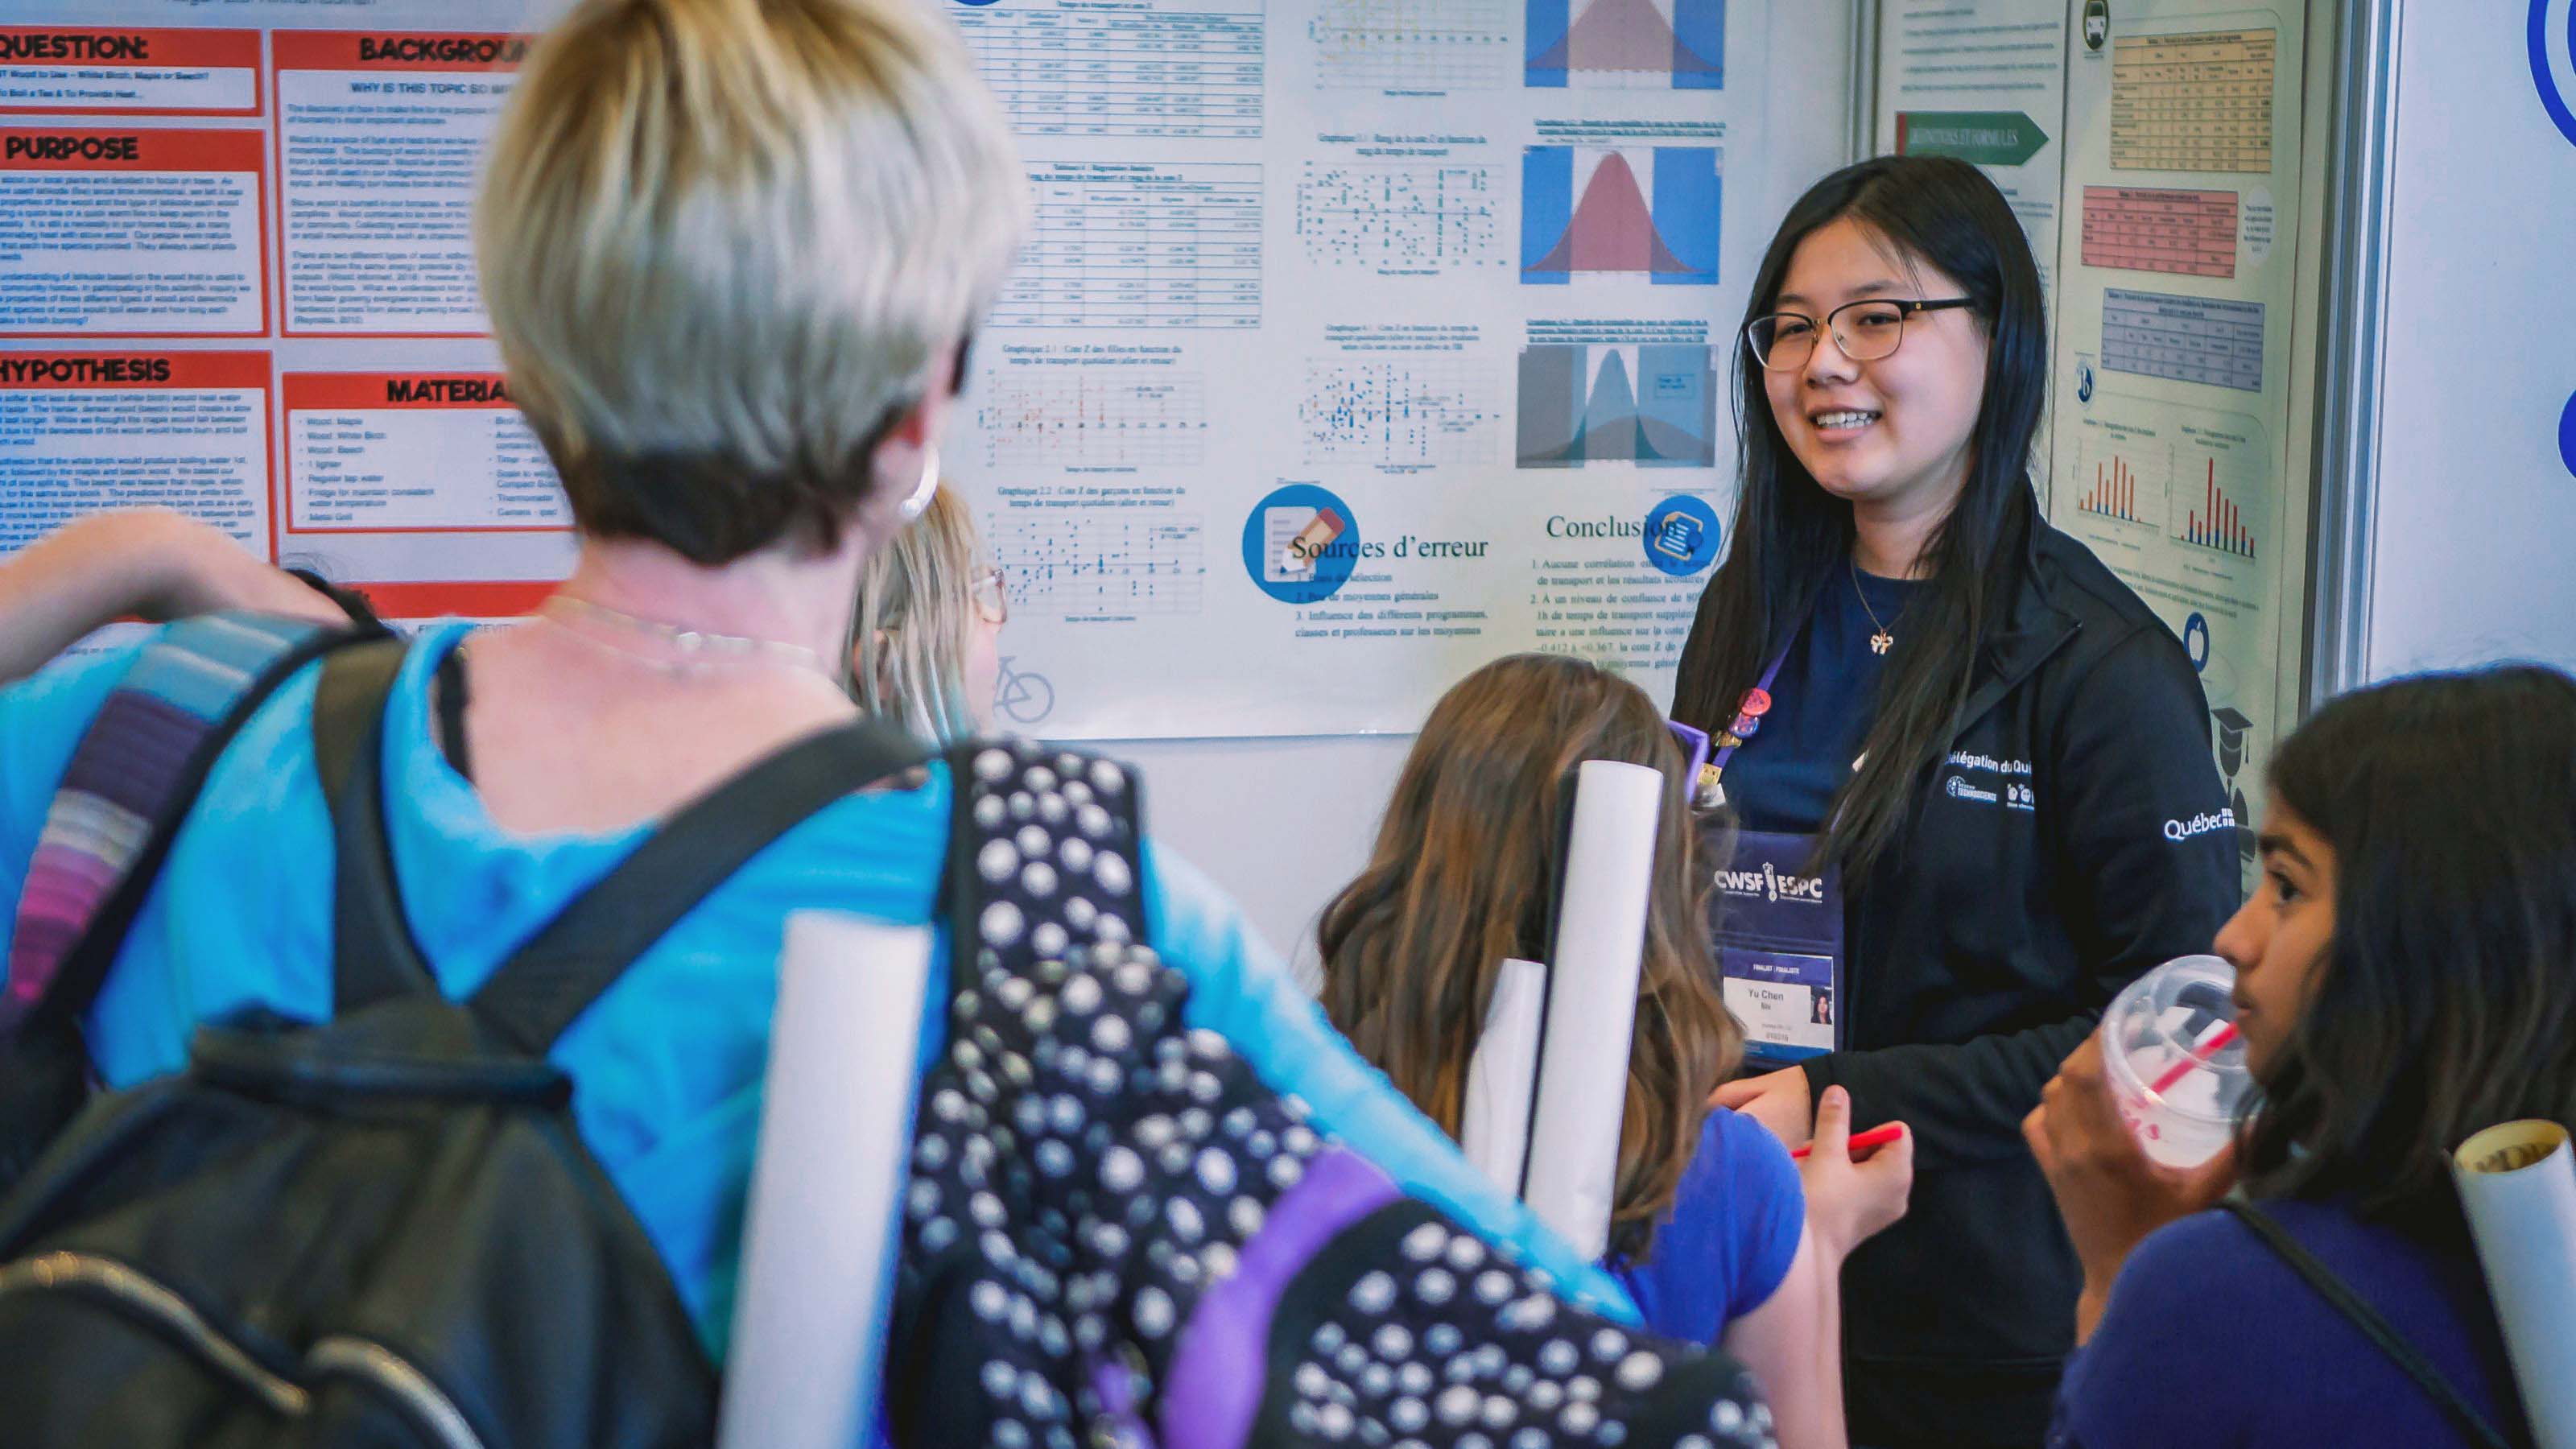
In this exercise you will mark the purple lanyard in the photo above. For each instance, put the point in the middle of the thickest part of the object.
(1727, 752)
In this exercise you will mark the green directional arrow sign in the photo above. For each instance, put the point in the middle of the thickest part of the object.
(1986, 138)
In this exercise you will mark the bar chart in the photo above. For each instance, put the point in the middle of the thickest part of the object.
(2216, 522)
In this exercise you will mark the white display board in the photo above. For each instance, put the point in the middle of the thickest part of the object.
(2467, 510)
(1357, 343)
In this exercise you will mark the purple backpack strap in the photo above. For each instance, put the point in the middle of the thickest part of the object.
(131, 781)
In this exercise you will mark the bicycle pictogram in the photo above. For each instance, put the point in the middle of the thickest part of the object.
(1024, 696)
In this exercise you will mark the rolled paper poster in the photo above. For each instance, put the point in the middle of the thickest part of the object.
(819, 1240)
(1592, 1001)
(1502, 1076)
(2517, 1183)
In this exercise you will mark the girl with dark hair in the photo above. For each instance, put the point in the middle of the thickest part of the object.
(1970, 768)
(2405, 977)
(1711, 1230)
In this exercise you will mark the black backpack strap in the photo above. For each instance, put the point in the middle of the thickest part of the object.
(373, 953)
(2369, 1320)
(549, 982)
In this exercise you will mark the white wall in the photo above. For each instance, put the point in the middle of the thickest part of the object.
(2474, 515)
(1283, 823)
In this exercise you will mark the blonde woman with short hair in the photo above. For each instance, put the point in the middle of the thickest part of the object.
(927, 646)
(731, 250)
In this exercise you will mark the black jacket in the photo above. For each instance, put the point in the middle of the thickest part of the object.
(2075, 834)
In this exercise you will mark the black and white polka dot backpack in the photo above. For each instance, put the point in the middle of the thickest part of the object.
(1117, 1235)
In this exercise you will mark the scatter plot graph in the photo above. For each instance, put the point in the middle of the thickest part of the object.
(1667, 235)
(1092, 417)
(1633, 44)
(1402, 218)
(1069, 563)
(1398, 411)
(1654, 405)
(1412, 45)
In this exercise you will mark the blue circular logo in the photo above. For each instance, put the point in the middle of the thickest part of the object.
(2195, 641)
(2544, 74)
(1681, 535)
(1300, 544)
(2567, 435)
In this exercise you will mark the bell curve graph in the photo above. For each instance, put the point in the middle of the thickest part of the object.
(1644, 211)
(1654, 405)
(1634, 44)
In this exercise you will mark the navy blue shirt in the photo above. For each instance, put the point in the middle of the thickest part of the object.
(1729, 1240)
(1822, 705)
(2211, 1340)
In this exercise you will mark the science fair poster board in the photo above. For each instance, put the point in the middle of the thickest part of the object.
(1357, 342)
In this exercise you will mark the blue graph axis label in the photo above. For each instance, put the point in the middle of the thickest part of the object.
(2543, 75)
(1301, 544)
(1682, 535)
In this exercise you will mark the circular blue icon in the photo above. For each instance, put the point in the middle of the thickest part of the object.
(1681, 535)
(2543, 75)
(1300, 544)
(2083, 382)
(2567, 435)
(2195, 641)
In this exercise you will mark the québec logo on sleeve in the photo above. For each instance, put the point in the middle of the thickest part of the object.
(2180, 830)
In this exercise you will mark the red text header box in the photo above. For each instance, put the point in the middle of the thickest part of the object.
(141, 148)
(398, 50)
(22, 371)
(357, 390)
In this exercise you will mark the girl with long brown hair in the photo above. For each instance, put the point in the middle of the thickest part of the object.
(1711, 1229)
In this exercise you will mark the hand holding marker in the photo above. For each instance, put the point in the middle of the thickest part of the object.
(1861, 1142)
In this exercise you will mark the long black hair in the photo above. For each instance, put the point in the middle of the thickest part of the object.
(1791, 538)
(2447, 1000)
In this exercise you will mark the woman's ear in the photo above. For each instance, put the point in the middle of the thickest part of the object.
(883, 674)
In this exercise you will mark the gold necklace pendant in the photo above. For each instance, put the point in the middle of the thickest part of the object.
(1882, 641)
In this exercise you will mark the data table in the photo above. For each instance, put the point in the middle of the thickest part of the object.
(1131, 73)
(2198, 102)
(2185, 339)
(2142, 229)
(1139, 245)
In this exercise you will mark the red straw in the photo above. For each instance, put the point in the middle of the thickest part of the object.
(1874, 1137)
(2210, 1046)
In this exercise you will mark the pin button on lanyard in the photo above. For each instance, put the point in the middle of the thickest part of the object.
(1747, 722)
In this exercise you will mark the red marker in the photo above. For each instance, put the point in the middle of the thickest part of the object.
(1861, 1141)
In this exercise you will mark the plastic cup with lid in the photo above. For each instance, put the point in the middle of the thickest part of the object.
(2176, 1067)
